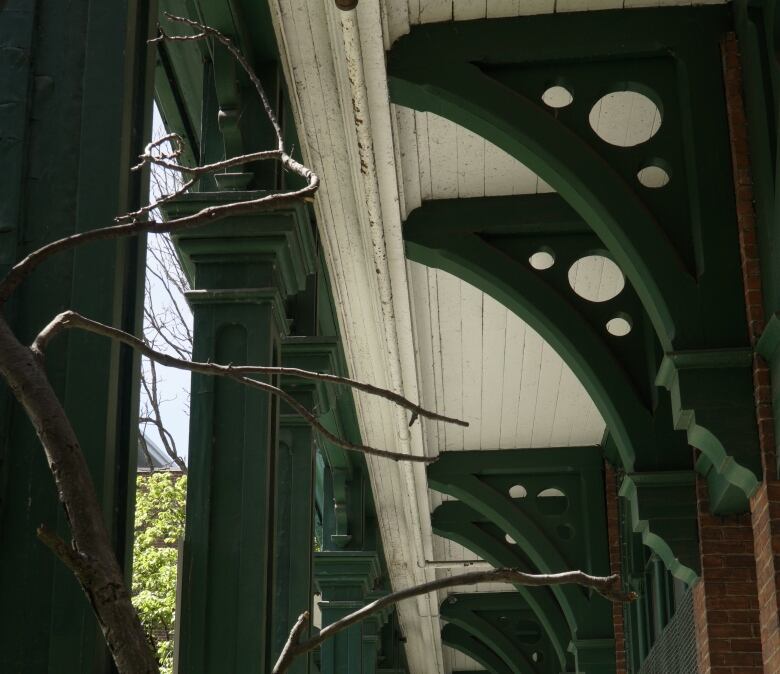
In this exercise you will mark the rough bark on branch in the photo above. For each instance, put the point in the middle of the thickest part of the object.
(608, 586)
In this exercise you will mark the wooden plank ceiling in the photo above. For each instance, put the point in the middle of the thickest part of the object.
(460, 351)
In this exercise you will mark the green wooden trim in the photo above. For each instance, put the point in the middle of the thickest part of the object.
(662, 509)
(712, 400)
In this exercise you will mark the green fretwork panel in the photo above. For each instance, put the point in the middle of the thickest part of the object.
(489, 243)
(549, 503)
(460, 523)
(295, 488)
(661, 508)
(241, 269)
(75, 110)
(344, 579)
(503, 622)
(676, 243)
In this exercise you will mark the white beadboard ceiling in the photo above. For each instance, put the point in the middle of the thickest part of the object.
(459, 351)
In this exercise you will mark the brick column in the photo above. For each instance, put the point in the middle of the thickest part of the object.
(765, 503)
(725, 599)
(613, 535)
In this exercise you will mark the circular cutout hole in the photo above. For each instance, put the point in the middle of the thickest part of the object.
(653, 177)
(510, 540)
(618, 326)
(565, 531)
(518, 491)
(541, 260)
(596, 278)
(552, 501)
(557, 97)
(625, 118)
(535, 656)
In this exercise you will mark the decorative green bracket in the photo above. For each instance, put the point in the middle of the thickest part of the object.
(712, 400)
(460, 523)
(550, 504)
(503, 623)
(662, 509)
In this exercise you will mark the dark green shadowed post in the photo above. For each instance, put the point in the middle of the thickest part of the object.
(242, 269)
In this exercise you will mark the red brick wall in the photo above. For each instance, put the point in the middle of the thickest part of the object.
(613, 534)
(765, 503)
(725, 599)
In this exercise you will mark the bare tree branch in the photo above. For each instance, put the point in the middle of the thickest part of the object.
(71, 320)
(92, 558)
(608, 586)
(154, 402)
(269, 201)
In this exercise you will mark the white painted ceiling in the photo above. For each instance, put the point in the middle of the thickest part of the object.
(460, 352)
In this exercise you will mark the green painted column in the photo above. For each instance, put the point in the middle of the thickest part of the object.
(241, 270)
(372, 635)
(75, 110)
(294, 492)
(594, 656)
(344, 578)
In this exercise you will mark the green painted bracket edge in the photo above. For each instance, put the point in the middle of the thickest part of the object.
(628, 490)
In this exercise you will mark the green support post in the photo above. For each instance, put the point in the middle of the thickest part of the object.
(241, 270)
(294, 497)
(344, 579)
(75, 111)
(372, 635)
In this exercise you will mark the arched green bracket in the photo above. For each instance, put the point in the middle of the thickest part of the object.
(422, 79)
(508, 627)
(458, 638)
(522, 291)
(482, 480)
(459, 523)
(662, 509)
(712, 401)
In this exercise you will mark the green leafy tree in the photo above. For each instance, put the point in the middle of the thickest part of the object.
(159, 526)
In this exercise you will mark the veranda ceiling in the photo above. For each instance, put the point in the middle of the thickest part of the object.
(450, 345)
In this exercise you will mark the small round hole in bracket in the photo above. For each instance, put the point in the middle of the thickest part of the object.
(542, 259)
(510, 540)
(557, 97)
(518, 491)
(619, 326)
(653, 177)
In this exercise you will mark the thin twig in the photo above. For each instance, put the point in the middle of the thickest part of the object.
(607, 586)
(71, 320)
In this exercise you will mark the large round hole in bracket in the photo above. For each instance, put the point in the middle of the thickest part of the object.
(625, 118)
(653, 177)
(542, 259)
(596, 278)
(510, 540)
(557, 97)
(619, 326)
(552, 501)
(518, 491)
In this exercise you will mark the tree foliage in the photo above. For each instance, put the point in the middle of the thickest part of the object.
(159, 526)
